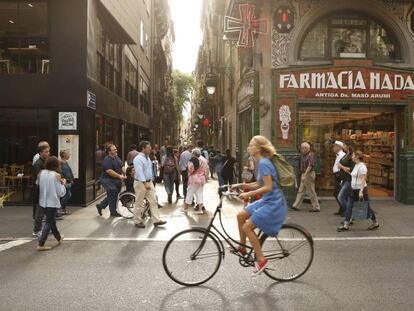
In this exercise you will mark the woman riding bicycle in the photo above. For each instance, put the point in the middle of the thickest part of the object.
(269, 213)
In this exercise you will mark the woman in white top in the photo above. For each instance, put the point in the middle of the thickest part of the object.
(51, 189)
(359, 192)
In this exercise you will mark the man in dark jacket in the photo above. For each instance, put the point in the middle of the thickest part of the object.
(38, 213)
(68, 175)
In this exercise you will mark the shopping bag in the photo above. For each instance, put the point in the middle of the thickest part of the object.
(360, 210)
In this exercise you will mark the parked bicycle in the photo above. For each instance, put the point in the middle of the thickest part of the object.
(193, 256)
(125, 206)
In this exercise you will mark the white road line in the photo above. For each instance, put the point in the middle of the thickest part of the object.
(12, 244)
(20, 241)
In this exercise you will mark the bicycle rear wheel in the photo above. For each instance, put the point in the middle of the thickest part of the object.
(125, 204)
(192, 257)
(290, 254)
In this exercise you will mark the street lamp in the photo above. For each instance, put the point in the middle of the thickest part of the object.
(211, 90)
(211, 83)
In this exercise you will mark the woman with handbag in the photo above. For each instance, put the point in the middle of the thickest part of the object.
(359, 192)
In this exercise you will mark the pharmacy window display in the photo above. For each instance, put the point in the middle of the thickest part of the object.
(350, 35)
(370, 130)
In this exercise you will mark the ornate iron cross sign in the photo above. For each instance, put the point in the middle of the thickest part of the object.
(247, 25)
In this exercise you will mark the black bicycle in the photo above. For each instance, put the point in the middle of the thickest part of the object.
(125, 206)
(193, 256)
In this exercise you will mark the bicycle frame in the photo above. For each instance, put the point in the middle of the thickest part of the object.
(216, 233)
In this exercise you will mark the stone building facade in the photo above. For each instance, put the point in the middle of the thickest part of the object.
(318, 71)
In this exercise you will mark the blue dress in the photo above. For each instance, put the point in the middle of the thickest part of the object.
(269, 213)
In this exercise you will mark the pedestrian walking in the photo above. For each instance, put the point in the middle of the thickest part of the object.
(249, 174)
(169, 167)
(177, 179)
(67, 174)
(204, 153)
(156, 172)
(198, 175)
(38, 213)
(37, 155)
(218, 167)
(133, 152)
(111, 180)
(51, 190)
(346, 165)
(157, 152)
(359, 192)
(228, 168)
(307, 185)
(184, 159)
(144, 187)
(339, 154)
(267, 214)
(35, 190)
(211, 155)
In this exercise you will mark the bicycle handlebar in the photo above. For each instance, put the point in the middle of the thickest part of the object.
(223, 191)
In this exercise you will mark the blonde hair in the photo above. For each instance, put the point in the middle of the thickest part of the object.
(264, 145)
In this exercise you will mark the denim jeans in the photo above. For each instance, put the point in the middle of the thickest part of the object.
(112, 187)
(354, 196)
(220, 178)
(169, 182)
(344, 195)
(65, 199)
(50, 224)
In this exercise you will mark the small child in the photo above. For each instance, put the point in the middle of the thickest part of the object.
(129, 181)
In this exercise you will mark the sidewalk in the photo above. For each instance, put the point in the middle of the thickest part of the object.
(396, 220)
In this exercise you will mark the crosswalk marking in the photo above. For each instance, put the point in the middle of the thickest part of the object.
(12, 244)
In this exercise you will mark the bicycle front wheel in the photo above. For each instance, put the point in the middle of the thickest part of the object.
(290, 254)
(192, 257)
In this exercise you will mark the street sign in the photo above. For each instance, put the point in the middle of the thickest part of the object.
(91, 100)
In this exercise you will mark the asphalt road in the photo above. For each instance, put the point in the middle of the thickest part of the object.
(128, 275)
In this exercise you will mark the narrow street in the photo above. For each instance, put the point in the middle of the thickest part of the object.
(108, 263)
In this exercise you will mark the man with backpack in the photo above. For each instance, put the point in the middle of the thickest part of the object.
(170, 168)
(307, 185)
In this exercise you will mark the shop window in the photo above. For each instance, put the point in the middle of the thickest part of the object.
(349, 36)
(369, 130)
(24, 43)
(20, 132)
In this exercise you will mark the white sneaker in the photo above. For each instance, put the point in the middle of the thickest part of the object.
(37, 234)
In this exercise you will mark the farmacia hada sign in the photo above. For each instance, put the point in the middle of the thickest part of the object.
(347, 84)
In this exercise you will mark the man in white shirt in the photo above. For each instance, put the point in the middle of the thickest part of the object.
(185, 157)
(339, 152)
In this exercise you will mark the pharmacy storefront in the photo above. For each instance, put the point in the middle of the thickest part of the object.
(368, 106)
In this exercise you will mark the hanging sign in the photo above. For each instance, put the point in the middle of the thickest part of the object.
(246, 25)
(67, 121)
(284, 19)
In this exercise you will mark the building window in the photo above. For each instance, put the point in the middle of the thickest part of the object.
(144, 96)
(131, 74)
(142, 35)
(108, 62)
(349, 35)
(24, 42)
